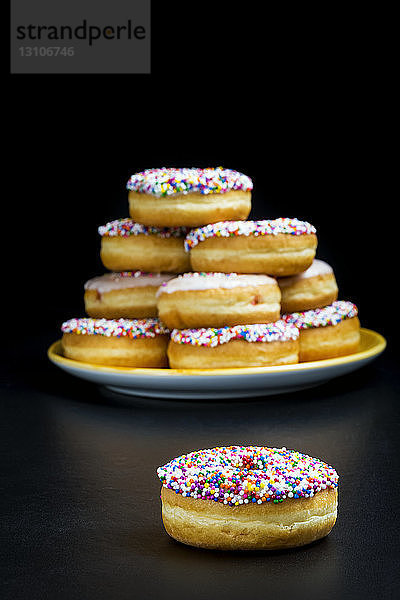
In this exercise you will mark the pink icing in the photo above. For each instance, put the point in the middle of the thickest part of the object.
(126, 279)
(318, 267)
(208, 281)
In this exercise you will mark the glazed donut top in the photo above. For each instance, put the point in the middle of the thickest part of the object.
(208, 281)
(322, 317)
(126, 279)
(256, 228)
(318, 267)
(236, 475)
(171, 182)
(132, 328)
(126, 227)
(211, 337)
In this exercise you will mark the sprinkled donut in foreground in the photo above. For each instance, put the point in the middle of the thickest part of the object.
(190, 197)
(120, 343)
(314, 288)
(217, 300)
(248, 498)
(278, 247)
(127, 295)
(257, 345)
(327, 332)
(130, 246)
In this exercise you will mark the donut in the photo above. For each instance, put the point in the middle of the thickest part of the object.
(127, 295)
(128, 246)
(327, 332)
(257, 345)
(313, 288)
(119, 343)
(218, 299)
(248, 498)
(276, 247)
(188, 197)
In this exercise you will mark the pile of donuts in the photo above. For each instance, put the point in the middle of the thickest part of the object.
(193, 284)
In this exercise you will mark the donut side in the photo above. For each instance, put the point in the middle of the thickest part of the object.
(310, 293)
(266, 526)
(193, 209)
(128, 303)
(220, 307)
(233, 354)
(116, 351)
(277, 255)
(144, 252)
(318, 343)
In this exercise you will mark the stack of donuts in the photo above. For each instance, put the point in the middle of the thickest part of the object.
(192, 284)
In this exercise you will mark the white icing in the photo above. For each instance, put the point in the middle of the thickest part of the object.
(318, 267)
(209, 281)
(116, 281)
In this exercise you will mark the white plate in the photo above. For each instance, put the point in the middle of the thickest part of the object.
(220, 383)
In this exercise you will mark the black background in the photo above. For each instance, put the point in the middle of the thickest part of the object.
(301, 102)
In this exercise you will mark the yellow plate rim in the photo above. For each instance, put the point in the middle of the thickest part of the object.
(377, 345)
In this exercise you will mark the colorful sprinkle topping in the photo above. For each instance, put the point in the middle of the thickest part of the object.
(322, 317)
(256, 228)
(170, 181)
(237, 475)
(135, 274)
(127, 227)
(132, 274)
(211, 337)
(132, 328)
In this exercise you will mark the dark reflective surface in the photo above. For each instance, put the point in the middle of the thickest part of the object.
(81, 497)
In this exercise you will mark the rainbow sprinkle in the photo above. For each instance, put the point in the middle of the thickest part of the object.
(322, 317)
(126, 227)
(135, 274)
(256, 228)
(171, 181)
(211, 337)
(132, 328)
(237, 475)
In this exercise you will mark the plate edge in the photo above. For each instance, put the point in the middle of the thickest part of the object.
(377, 349)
